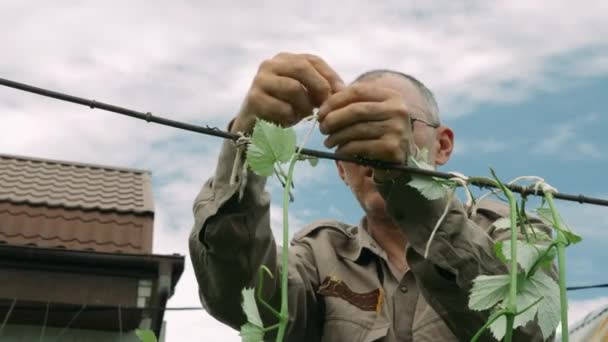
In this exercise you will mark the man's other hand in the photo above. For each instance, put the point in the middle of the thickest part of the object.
(368, 121)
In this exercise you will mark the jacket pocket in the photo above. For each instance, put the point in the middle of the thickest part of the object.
(347, 322)
(342, 330)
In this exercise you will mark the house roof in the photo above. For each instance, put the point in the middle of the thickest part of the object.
(593, 327)
(50, 203)
(72, 185)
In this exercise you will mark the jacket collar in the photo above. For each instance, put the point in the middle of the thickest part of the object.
(361, 244)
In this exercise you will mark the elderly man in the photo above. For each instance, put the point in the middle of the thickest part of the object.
(368, 282)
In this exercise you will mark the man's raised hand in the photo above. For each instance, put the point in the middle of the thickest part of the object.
(286, 89)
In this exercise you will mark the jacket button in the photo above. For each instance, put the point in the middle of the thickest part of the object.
(403, 288)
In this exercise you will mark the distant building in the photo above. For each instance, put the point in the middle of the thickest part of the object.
(592, 328)
(76, 260)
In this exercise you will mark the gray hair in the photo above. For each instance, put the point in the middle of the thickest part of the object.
(427, 94)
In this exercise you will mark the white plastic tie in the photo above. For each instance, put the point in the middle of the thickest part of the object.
(239, 168)
(545, 187)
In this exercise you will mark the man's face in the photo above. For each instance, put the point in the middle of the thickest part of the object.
(360, 178)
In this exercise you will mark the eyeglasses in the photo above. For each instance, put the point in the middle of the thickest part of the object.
(412, 120)
(417, 117)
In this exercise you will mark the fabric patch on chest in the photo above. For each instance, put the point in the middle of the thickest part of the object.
(370, 301)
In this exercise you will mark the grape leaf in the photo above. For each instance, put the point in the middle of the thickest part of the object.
(499, 327)
(547, 217)
(498, 251)
(250, 307)
(538, 235)
(253, 329)
(269, 144)
(527, 253)
(428, 187)
(487, 291)
(251, 333)
(431, 188)
(145, 335)
(549, 311)
(524, 300)
(313, 161)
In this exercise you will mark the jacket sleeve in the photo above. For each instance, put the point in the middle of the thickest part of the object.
(462, 249)
(231, 239)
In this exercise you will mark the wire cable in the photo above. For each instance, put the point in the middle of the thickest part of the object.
(36, 307)
(214, 131)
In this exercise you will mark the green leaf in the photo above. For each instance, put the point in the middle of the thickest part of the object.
(146, 335)
(251, 333)
(527, 253)
(538, 235)
(523, 301)
(253, 330)
(539, 294)
(487, 291)
(250, 307)
(499, 327)
(549, 310)
(498, 251)
(313, 161)
(546, 216)
(526, 299)
(430, 187)
(270, 144)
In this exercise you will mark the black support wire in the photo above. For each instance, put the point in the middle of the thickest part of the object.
(67, 327)
(8, 315)
(214, 131)
(38, 307)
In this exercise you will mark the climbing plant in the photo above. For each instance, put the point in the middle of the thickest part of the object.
(526, 293)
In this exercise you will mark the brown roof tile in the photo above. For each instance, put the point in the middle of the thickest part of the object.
(74, 185)
(74, 229)
(49, 203)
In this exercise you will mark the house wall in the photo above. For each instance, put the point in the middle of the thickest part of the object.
(106, 298)
(28, 333)
(68, 288)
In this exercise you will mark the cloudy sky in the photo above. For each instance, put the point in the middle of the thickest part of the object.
(523, 83)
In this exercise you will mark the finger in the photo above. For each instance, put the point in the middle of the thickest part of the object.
(360, 131)
(324, 69)
(290, 91)
(353, 113)
(355, 93)
(388, 150)
(359, 148)
(272, 109)
(303, 71)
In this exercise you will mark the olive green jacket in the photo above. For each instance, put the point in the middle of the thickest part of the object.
(341, 285)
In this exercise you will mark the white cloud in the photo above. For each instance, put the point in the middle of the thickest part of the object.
(487, 145)
(567, 140)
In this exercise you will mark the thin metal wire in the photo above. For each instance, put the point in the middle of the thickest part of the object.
(198, 308)
(214, 131)
(46, 316)
(67, 327)
(119, 323)
(8, 315)
(586, 287)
